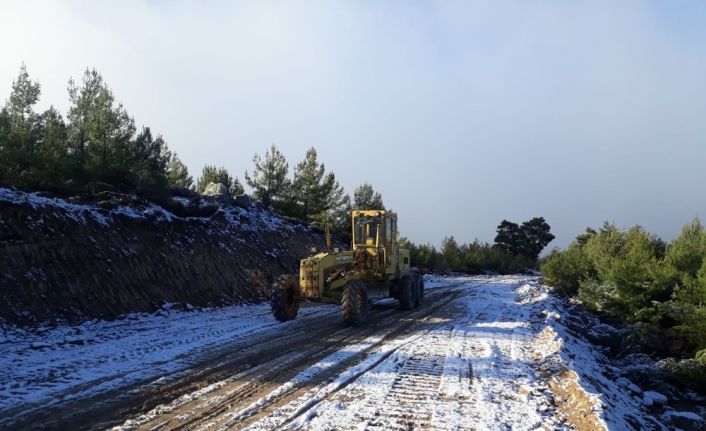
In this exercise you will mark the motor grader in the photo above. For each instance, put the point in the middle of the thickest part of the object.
(375, 267)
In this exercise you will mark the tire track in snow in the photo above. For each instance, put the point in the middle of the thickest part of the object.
(414, 390)
(420, 358)
(426, 384)
(505, 393)
(213, 406)
(341, 360)
(116, 365)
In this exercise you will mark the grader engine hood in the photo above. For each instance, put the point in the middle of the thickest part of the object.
(318, 272)
(308, 277)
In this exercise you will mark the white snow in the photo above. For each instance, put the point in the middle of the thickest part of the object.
(485, 361)
(458, 374)
(76, 212)
(254, 219)
(478, 370)
(51, 365)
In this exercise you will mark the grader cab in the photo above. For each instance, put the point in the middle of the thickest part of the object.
(375, 267)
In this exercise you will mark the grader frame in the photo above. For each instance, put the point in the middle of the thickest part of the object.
(375, 267)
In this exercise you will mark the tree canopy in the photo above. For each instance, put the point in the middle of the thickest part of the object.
(211, 174)
(96, 143)
(528, 239)
(366, 198)
(269, 178)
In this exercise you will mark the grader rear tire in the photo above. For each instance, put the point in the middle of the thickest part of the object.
(354, 303)
(285, 298)
(407, 292)
(419, 300)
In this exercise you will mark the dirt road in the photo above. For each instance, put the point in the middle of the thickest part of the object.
(482, 353)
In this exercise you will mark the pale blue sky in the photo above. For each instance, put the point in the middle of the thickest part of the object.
(460, 113)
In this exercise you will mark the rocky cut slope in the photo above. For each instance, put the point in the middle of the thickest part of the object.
(61, 260)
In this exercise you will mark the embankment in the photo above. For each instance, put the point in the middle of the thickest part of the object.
(70, 261)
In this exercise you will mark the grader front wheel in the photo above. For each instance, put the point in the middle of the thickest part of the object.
(285, 298)
(354, 303)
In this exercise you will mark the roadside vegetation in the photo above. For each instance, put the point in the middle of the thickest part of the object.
(632, 276)
(97, 147)
(516, 249)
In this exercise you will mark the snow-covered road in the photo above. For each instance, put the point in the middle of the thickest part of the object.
(483, 353)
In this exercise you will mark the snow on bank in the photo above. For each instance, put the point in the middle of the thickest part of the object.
(253, 219)
(582, 377)
(76, 212)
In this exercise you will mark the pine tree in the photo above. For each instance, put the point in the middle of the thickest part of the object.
(341, 215)
(535, 235)
(366, 198)
(308, 188)
(96, 144)
(51, 166)
(21, 130)
(508, 237)
(336, 201)
(687, 252)
(316, 192)
(269, 178)
(147, 173)
(177, 172)
(211, 174)
(25, 94)
(450, 252)
(5, 148)
(100, 131)
(527, 240)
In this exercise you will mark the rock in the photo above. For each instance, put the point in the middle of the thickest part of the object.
(99, 186)
(43, 194)
(627, 384)
(108, 205)
(207, 209)
(650, 397)
(112, 200)
(182, 192)
(242, 201)
(180, 201)
(688, 421)
(634, 388)
(218, 191)
(193, 208)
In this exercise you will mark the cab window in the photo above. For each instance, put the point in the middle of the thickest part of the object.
(366, 229)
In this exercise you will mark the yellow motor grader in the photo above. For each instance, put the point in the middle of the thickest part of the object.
(375, 268)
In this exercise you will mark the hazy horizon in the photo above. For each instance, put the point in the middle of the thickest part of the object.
(461, 114)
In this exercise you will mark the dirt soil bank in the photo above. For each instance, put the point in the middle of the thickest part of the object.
(66, 261)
